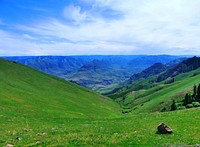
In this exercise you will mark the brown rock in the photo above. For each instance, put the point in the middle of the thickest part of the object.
(164, 129)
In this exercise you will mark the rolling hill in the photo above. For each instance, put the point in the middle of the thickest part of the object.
(100, 73)
(151, 71)
(37, 109)
(26, 91)
(150, 95)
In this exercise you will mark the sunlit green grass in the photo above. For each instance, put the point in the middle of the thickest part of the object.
(40, 110)
(161, 94)
(26, 91)
(130, 130)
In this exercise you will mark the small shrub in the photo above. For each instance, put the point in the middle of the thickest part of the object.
(195, 104)
(179, 104)
(194, 74)
(126, 111)
(135, 108)
(173, 106)
(180, 107)
(162, 102)
(163, 109)
(169, 81)
(159, 88)
(189, 106)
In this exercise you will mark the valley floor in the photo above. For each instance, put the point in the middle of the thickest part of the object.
(129, 130)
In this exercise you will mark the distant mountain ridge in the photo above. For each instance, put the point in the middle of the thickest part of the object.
(148, 91)
(183, 67)
(155, 69)
(55, 65)
(151, 71)
(94, 72)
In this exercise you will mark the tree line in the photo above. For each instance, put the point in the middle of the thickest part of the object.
(195, 97)
(190, 99)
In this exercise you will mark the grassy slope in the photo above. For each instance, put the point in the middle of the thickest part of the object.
(132, 130)
(49, 121)
(26, 91)
(161, 95)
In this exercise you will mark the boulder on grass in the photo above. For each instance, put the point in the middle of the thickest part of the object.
(164, 129)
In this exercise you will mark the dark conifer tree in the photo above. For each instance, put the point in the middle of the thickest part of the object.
(198, 93)
(173, 106)
(194, 93)
(188, 99)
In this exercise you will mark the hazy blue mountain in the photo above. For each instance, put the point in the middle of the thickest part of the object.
(183, 67)
(151, 71)
(55, 65)
(157, 73)
(95, 72)
(103, 75)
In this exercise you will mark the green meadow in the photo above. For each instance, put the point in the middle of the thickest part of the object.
(129, 130)
(159, 97)
(37, 109)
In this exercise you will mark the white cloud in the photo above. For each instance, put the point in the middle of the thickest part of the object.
(15, 45)
(145, 27)
(27, 36)
(11, 44)
(74, 13)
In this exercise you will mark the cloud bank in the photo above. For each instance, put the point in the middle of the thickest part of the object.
(109, 27)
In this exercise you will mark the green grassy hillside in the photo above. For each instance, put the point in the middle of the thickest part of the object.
(157, 96)
(40, 110)
(26, 91)
(101, 73)
(132, 130)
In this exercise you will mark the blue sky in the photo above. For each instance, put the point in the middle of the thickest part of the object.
(88, 27)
